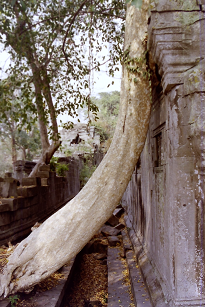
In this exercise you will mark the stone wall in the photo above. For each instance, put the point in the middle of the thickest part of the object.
(35, 200)
(165, 198)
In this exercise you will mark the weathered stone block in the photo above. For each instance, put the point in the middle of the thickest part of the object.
(8, 187)
(113, 221)
(11, 202)
(44, 167)
(44, 181)
(43, 174)
(29, 181)
(118, 212)
(119, 226)
(4, 207)
(27, 191)
(113, 240)
(5, 218)
(109, 231)
(96, 246)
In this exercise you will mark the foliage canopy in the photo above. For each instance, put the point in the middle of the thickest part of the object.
(59, 42)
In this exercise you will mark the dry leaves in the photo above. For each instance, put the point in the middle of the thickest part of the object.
(89, 283)
(5, 252)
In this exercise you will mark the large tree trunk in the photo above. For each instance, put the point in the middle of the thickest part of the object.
(65, 233)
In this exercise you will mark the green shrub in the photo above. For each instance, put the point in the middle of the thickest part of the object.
(13, 299)
(53, 163)
(59, 168)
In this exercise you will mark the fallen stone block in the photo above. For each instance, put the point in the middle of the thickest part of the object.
(109, 231)
(118, 212)
(113, 240)
(96, 246)
(100, 256)
(113, 221)
(120, 226)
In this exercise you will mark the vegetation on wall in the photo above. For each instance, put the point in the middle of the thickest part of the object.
(59, 168)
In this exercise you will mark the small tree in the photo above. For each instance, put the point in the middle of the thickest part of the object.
(17, 118)
(108, 105)
(47, 41)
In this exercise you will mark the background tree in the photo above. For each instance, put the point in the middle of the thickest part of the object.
(55, 45)
(5, 158)
(65, 233)
(17, 118)
(108, 106)
(28, 142)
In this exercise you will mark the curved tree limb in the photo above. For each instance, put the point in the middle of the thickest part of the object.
(66, 232)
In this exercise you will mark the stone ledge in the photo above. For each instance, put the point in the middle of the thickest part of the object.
(149, 275)
(54, 296)
(118, 290)
(139, 290)
(28, 181)
(27, 191)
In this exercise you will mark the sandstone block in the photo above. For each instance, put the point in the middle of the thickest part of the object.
(27, 191)
(8, 187)
(118, 212)
(109, 231)
(113, 221)
(96, 246)
(43, 174)
(113, 240)
(30, 181)
(100, 256)
(44, 181)
(44, 167)
(120, 226)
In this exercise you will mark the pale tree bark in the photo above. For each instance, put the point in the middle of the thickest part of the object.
(66, 232)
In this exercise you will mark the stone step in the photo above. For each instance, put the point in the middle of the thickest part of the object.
(118, 291)
(139, 289)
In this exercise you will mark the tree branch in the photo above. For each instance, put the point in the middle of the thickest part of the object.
(68, 30)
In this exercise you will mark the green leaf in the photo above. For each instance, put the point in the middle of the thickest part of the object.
(23, 5)
(13, 2)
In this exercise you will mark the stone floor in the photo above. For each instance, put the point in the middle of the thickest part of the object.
(118, 291)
